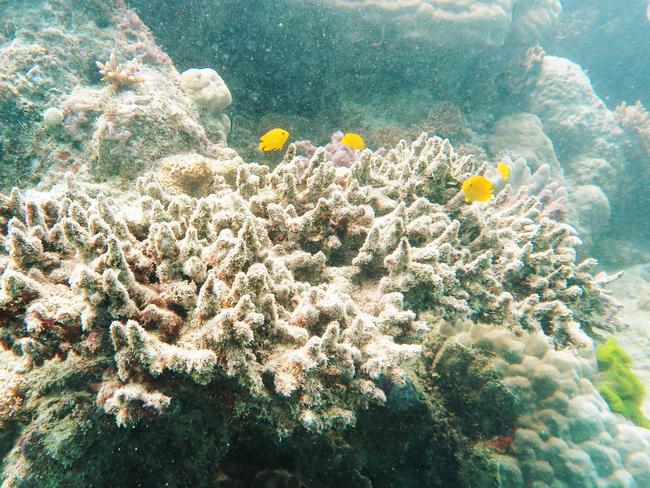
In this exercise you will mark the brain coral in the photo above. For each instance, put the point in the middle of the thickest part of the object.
(295, 294)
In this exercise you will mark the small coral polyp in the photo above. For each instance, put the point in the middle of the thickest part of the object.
(305, 287)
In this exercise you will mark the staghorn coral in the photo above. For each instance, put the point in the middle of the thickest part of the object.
(295, 296)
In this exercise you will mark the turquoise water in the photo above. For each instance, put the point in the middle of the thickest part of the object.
(344, 243)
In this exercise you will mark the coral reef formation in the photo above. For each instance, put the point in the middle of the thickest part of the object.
(635, 117)
(523, 135)
(294, 297)
(341, 318)
(585, 133)
(367, 51)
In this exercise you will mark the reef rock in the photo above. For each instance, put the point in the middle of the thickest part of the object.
(99, 98)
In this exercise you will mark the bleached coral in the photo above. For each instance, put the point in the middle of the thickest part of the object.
(206, 88)
(210, 96)
(585, 134)
(48, 68)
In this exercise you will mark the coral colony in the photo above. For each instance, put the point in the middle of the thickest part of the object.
(175, 315)
(304, 288)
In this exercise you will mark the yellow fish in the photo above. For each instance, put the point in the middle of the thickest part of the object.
(273, 140)
(503, 170)
(477, 188)
(355, 141)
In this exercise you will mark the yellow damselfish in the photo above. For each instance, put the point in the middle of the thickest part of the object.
(504, 170)
(273, 140)
(355, 141)
(477, 188)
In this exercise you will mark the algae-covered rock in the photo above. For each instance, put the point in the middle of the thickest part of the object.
(88, 90)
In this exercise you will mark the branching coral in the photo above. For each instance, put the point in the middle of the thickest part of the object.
(119, 74)
(296, 295)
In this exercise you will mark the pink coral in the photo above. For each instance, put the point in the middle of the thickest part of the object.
(335, 152)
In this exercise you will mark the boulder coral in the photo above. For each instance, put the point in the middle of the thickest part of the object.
(457, 22)
(560, 430)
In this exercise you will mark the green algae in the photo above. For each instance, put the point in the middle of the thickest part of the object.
(620, 387)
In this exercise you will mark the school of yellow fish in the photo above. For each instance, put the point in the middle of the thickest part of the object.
(475, 189)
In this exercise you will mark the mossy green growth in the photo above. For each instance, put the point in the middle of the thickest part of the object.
(618, 385)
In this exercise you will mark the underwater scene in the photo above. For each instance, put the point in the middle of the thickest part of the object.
(324, 243)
